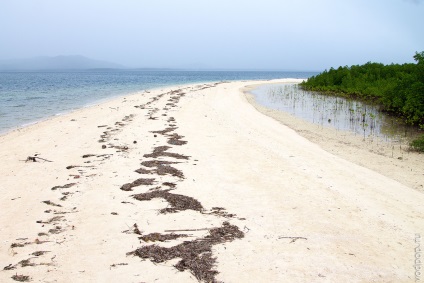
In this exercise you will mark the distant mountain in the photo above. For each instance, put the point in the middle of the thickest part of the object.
(73, 62)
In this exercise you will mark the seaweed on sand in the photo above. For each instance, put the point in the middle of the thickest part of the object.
(177, 202)
(162, 151)
(155, 237)
(64, 186)
(175, 139)
(196, 256)
(136, 183)
(162, 168)
(21, 278)
(163, 132)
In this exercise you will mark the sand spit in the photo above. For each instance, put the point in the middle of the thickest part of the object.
(192, 183)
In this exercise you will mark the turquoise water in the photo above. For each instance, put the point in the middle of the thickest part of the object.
(27, 97)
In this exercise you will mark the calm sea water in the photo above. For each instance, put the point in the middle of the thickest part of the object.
(27, 97)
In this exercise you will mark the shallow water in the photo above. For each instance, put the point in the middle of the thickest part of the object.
(26, 97)
(361, 118)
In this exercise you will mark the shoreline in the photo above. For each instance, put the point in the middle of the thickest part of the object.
(92, 104)
(388, 159)
(53, 97)
(191, 183)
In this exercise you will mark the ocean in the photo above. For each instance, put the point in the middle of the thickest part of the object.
(29, 97)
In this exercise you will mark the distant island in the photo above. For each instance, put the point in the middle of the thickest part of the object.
(72, 62)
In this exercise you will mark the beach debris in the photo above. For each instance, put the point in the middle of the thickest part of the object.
(67, 186)
(196, 255)
(78, 166)
(143, 171)
(20, 245)
(156, 163)
(51, 203)
(136, 230)
(133, 230)
(169, 184)
(157, 237)
(164, 132)
(26, 262)
(9, 267)
(121, 148)
(220, 211)
(118, 264)
(35, 158)
(65, 195)
(293, 239)
(175, 139)
(51, 220)
(136, 183)
(189, 230)
(38, 253)
(166, 169)
(177, 202)
(56, 230)
(162, 168)
(88, 155)
(21, 278)
(162, 151)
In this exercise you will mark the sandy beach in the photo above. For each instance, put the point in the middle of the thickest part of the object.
(199, 183)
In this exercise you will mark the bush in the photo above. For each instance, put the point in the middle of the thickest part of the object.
(418, 144)
(397, 88)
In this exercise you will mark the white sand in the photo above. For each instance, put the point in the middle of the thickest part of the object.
(357, 224)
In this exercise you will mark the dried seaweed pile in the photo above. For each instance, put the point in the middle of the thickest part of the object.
(196, 255)
(177, 202)
(165, 131)
(67, 186)
(175, 139)
(162, 151)
(106, 135)
(160, 168)
(157, 237)
(136, 183)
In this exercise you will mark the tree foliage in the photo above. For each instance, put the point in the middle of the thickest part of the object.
(398, 88)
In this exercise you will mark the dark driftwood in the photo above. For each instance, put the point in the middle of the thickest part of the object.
(293, 239)
(34, 159)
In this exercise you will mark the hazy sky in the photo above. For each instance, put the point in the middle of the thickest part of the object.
(242, 34)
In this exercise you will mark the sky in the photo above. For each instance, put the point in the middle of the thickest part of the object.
(294, 35)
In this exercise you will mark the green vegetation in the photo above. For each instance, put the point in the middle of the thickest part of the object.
(418, 144)
(399, 89)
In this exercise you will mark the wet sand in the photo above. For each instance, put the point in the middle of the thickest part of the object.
(193, 183)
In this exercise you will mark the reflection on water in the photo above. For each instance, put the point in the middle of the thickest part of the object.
(341, 113)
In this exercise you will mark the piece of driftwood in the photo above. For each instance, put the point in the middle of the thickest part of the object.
(293, 239)
(34, 159)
